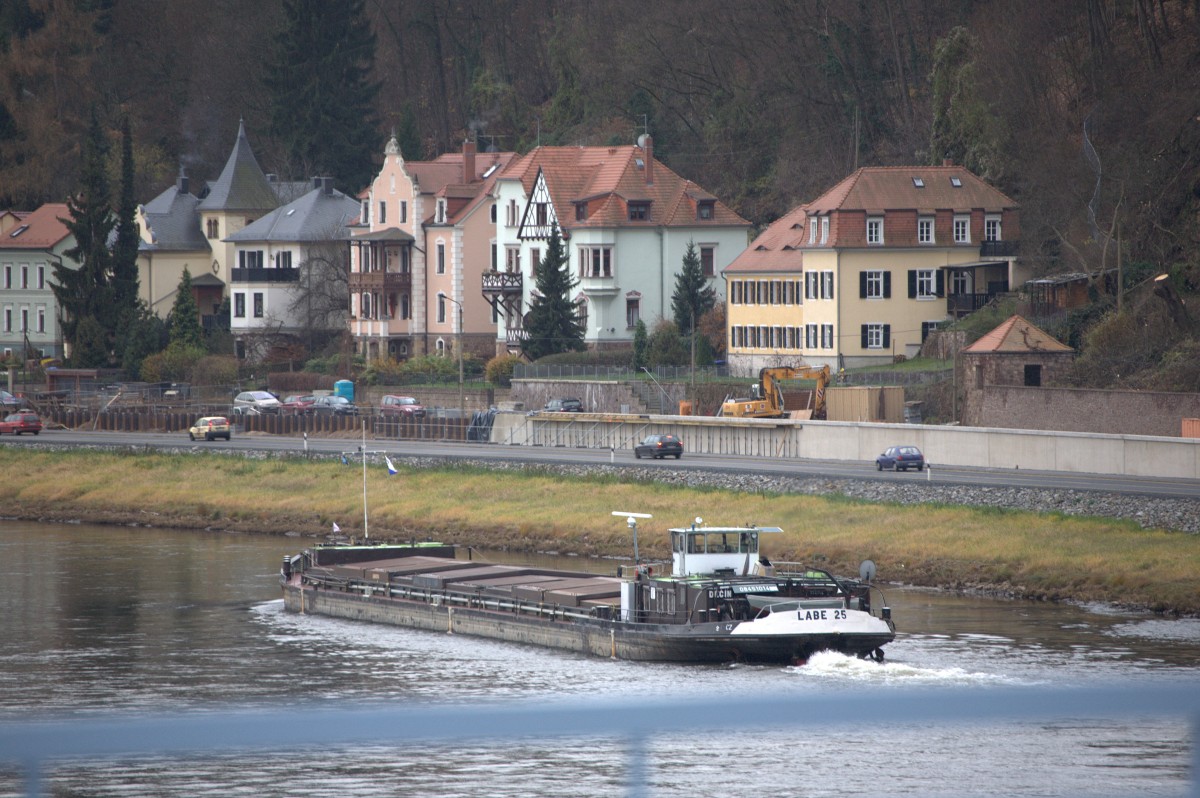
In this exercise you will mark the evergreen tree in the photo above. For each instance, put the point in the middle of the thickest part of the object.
(125, 251)
(552, 324)
(322, 93)
(185, 316)
(693, 296)
(145, 335)
(85, 292)
(640, 345)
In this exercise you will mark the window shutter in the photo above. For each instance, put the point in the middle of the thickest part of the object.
(941, 283)
(887, 336)
(830, 285)
(887, 285)
(912, 283)
(863, 336)
(862, 285)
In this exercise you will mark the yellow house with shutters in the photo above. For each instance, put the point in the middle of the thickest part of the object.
(866, 271)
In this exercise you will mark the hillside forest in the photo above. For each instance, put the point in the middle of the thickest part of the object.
(1087, 112)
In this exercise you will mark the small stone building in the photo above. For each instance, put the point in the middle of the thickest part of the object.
(1016, 353)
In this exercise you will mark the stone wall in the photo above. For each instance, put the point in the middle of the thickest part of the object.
(1086, 410)
(982, 370)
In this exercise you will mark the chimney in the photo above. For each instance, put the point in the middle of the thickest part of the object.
(648, 154)
(947, 162)
(327, 186)
(468, 161)
(182, 183)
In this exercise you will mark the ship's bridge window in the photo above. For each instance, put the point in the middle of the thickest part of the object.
(749, 543)
(695, 544)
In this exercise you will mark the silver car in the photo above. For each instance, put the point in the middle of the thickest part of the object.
(251, 403)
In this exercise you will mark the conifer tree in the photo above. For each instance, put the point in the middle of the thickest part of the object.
(86, 292)
(322, 91)
(125, 250)
(693, 296)
(185, 316)
(552, 324)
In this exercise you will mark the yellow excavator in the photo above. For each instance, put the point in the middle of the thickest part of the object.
(767, 398)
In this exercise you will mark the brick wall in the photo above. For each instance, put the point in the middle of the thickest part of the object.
(1086, 410)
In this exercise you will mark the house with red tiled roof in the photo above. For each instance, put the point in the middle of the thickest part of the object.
(626, 222)
(424, 238)
(31, 245)
(864, 272)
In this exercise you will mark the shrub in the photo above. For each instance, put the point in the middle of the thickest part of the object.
(174, 364)
(216, 370)
(499, 370)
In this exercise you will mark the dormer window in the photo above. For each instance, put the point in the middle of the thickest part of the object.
(639, 211)
(704, 210)
(440, 213)
(580, 211)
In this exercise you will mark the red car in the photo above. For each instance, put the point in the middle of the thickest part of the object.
(297, 404)
(401, 407)
(16, 423)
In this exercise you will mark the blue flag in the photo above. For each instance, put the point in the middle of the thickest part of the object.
(391, 468)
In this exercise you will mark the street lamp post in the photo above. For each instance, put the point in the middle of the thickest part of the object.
(458, 344)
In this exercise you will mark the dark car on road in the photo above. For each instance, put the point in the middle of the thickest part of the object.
(18, 423)
(658, 446)
(564, 406)
(333, 406)
(900, 458)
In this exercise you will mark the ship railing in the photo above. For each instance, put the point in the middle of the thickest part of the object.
(38, 744)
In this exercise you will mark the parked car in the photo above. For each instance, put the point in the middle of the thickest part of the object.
(210, 427)
(334, 406)
(658, 446)
(401, 406)
(17, 423)
(900, 458)
(564, 406)
(297, 404)
(255, 402)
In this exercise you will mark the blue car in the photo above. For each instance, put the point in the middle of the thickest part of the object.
(900, 458)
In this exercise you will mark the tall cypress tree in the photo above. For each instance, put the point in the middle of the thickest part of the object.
(552, 325)
(86, 293)
(125, 251)
(693, 296)
(322, 91)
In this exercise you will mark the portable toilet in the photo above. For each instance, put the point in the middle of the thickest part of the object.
(344, 388)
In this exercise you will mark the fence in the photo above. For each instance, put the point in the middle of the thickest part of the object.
(534, 371)
(35, 743)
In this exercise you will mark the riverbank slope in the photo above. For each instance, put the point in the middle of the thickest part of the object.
(1042, 555)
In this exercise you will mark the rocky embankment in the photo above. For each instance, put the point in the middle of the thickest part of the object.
(1150, 512)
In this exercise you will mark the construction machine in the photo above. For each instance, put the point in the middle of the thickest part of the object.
(767, 398)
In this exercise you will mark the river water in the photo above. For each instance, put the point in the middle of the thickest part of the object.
(118, 619)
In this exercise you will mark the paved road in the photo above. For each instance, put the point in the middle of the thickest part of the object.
(1140, 486)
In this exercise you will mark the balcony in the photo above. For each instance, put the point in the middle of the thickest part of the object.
(998, 249)
(959, 305)
(264, 275)
(380, 327)
(386, 282)
(502, 284)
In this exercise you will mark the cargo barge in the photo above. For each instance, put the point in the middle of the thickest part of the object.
(722, 601)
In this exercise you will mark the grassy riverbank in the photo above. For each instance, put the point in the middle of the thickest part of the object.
(1025, 554)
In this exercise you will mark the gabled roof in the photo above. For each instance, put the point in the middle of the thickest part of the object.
(443, 177)
(880, 188)
(608, 178)
(242, 186)
(174, 221)
(776, 248)
(319, 215)
(40, 229)
(1017, 335)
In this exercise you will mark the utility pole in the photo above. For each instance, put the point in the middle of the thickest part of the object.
(458, 345)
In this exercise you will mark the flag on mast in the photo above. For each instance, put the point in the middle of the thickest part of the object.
(336, 528)
(391, 468)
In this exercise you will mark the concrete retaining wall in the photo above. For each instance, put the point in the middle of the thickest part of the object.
(832, 440)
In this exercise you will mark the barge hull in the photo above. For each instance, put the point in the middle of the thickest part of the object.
(604, 638)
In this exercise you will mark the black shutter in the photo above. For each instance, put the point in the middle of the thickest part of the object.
(863, 342)
(912, 283)
(887, 285)
(830, 285)
(941, 283)
(862, 285)
(887, 336)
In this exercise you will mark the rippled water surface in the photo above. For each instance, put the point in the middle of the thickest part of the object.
(122, 619)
